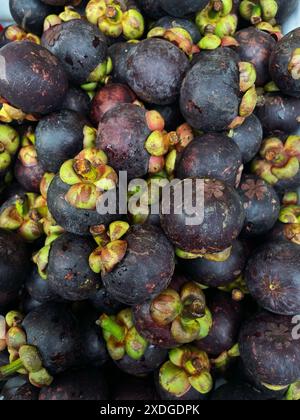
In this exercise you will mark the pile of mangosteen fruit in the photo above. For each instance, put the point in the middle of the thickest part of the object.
(133, 304)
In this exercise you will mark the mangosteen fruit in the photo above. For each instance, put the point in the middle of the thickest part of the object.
(80, 385)
(269, 350)
(32, 78)
(213, 94)
(272, 276)
(68, 272)
(278, 112)
(107, 98)
(59, 136)
(30, 14)
(81, 49)
(209, 227)
(256, 46)
(217, 273)
(261, 205)
(284, 64)
(211, 156)
(155, 70)
(14, 266)
(145, 271)
(248, 137)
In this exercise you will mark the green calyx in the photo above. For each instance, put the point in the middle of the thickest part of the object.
(23, 216)
(218, 257)
(185, 313)
(257, 11)
(112, 248)
(238, 289)
(293, 393)
(88, 176)
(294, 64)
(226, 358)
(278, 160)
(9, 144)
(178, 36)
(24, 359)
(216, 22)
(8, 113)
(188, 367)
(290, 214)
(100, 73)
(121, 336)
(115, 19)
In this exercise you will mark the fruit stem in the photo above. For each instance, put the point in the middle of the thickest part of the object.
(112, 327)
(11, 368)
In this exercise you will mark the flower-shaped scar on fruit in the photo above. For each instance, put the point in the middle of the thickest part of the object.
(186, 375)
(24, 359)
(174, 317)
(88, 176)
(115, 18)
(278, 163)
(130, 351)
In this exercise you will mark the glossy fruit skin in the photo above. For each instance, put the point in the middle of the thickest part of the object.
(211, 156)
(237, 391)
(155, 70)
(30, 14)
(77, 100)
(59, 137)
(180, 8)
(256, 47)
(68, 272)
(107, 98)
(216, 233)
(73, 220)
(80, 47)
(268, 349)
(29, 176)
(277, 112)
(14, 266)
(118, 53)
(122, 134)
(147, 268)
(168, 22)
(217, 274)
(151, 8)
(248, 137)
(19, 389)
(261, 204)
(82, 385)
(279, 64)
(39, 289)
(154, 333)
(53, 329)
(210, 97)
(40, 82)
(227, 317)
(273, 277)
(280, 233)
(153, 358)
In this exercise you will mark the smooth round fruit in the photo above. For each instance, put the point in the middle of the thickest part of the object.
(273, 277)
(180, 8)
(31, 78)
(211, 156)
(269, 350)
(155, 70)
(146, 270)
(248, 137)
(222, 223)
